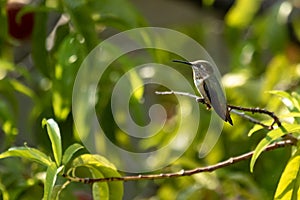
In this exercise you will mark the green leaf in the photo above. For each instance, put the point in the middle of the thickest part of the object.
(271, 137)
(107, 12)
(69, 58)
(54, 135)
(8, 122)
(20, 87)
(275, 72)
(51, 176)
(296, 98)
(70, 151)
(39, 36)
(113, 186)
(258, 127)
(288, 100)
(273, 33)
(4, 192)
(101, 167)
(94, 160)
(82, 22)
(255, 129)
(289, 184)
(291, 114)
(241, 13)
(100, 190)
(28, 153)
(61, 33)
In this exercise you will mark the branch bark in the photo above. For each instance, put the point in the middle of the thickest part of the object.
(233, 108)
(181, 173)
(230, 161)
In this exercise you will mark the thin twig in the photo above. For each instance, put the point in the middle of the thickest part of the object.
(231, 107)
(197, 98)
(258, 110)
(251, 119)
(181, 173)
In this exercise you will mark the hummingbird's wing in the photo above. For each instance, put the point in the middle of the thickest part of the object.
(217, 98)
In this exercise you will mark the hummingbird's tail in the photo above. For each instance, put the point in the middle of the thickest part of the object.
(228, 118)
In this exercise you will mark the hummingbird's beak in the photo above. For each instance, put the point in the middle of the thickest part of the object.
(182, 61)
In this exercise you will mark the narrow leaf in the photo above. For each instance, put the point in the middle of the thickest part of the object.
(70, 55)
(113, 186)
(271, 137)
(291, 114)
(103, 169)
(289, 184)
(70, 151)
(18, 86)
(255, 128)
(90, 159)
(288, 100)
(4, 192)
(51, 176)
(28, 153)
(39, 51)
(54, 135)
(241, 14)
(100, 189)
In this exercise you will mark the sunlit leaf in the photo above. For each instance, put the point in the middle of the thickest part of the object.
(296, 98)
(69, 57)
(8, 122)
(242, 12)
(70, 151)
(4, 192)
(51, 176)
(274, 73)
(95, 160)
(103, 169)
(255, 128)
(27, 153)
(291, 114)
(100, 190)
(82, 21)
(289, 101)
(22, 88)
(136, 82)
(54, 135)
(258, 127)
(271, 137)
(289, 184)
(5, 65)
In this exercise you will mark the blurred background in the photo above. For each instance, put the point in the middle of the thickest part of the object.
(255, 44)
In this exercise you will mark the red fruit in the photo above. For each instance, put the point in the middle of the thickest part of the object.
(23, 29)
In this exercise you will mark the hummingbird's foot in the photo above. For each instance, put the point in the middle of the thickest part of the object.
(202, 100)
(208, 106)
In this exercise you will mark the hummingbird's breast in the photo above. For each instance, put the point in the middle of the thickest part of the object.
(200, 84)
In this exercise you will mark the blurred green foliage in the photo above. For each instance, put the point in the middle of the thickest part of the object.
(262, 49)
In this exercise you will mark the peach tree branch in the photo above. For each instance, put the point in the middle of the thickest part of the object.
(233, 109)
(182, 173)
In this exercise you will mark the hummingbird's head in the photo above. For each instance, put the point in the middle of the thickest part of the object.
(202, 67)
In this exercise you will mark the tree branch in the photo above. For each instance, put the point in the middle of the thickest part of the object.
(232, 108)
(181, 173)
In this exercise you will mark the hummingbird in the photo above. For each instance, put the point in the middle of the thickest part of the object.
(209, 87)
